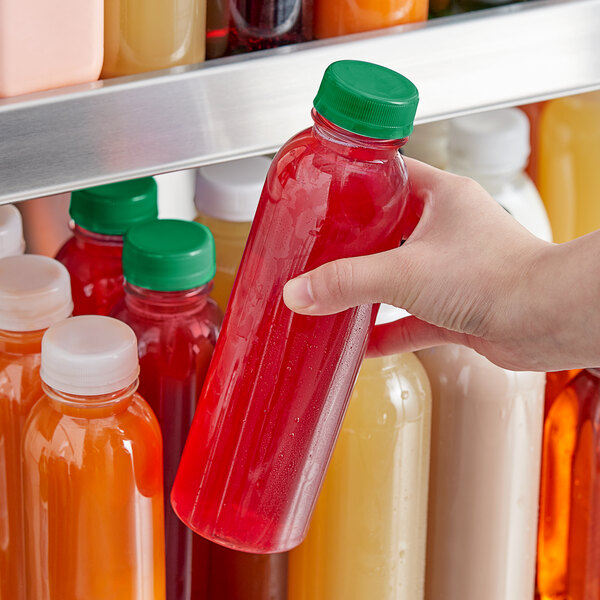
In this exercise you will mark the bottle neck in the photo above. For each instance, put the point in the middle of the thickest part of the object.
(91, 407)
(353, 145)
(84, 237)
(156, 305)
(21, 342)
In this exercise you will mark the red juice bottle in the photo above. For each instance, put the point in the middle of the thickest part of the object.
(101, 215)
(260, 24)
(169, 266)
(279, 383)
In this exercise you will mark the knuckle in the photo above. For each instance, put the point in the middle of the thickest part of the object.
(339, 278)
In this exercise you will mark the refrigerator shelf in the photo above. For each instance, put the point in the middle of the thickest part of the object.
(241, 106)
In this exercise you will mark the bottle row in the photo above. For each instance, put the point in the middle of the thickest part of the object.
(49, 45)
(273, 401)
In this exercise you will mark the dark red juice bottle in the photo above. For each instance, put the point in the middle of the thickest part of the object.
(260, 24)
(101, 216)
(169, 266)
(279, 383)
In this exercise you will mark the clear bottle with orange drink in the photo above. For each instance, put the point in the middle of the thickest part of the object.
(227, 195)
(569, 531)
(342, 17)
(34, 293)
(92, 471)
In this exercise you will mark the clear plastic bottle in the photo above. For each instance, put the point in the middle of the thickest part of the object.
(569, 155)
(569, 532)
(11, 231)
(342, 17)
(148, 35)
(34, 294)
(168, 267)
(227, 195)
(101, 216)
(46, 45)
(254, 461)
(493, 148)
(260, 24)
(367, 535)
(92, 471)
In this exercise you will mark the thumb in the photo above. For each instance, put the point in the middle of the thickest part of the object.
(349, 282)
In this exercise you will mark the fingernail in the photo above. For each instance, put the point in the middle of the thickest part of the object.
(297, 293)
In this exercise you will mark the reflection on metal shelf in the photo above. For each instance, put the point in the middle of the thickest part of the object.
(241, 106)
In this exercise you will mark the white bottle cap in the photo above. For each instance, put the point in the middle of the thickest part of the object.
(89, 356)
(230, 191)
(489, 143)
(11, 231)
(388, 314)
(176, 195)
(35, 292)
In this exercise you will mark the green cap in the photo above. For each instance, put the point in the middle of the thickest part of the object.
(367, 99)
(169, 255)
(112, 209)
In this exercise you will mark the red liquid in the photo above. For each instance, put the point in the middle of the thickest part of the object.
(94, 263)
(279, 383)
(240, 576)
(569, 533)
(217, 27)
(176, 333)
(260, 24)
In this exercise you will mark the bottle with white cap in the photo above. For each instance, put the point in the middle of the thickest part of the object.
(493, 148)
(429, 144)
(227, 195)
(367, 535)
(11, 231)
(92, 470)
(35, 293)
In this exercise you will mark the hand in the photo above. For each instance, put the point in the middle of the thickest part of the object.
(472, 275)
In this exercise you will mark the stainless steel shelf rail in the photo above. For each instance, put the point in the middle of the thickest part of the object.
(241, 106)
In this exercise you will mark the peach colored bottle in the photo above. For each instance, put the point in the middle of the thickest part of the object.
(46, 45)
(34, 293)
(148, 35)
(92, 471)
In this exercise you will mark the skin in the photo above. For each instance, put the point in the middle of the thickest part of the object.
(470, 274)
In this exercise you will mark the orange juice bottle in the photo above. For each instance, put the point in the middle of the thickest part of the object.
(11, 231)
(148, 35)
(34, 293)
(92, 471)
(367, 535)
(569, 155)
(227, 195)
(341, 17)
(569, 531)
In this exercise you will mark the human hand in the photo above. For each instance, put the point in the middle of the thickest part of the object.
(470, 274)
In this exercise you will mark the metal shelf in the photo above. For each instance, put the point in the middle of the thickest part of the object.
(235, 107)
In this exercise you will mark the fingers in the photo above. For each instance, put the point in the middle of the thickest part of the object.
(348, 282)
(409, 335)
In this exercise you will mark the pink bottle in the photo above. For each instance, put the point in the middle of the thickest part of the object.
(46, 45)
(279, 383)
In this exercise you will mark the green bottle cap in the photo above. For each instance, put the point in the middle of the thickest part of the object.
(169, 255)
(367, 99)
(112, 209)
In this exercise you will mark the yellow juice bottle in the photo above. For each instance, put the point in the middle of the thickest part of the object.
(148, 35)
(569, 155)
(367, 535)
(227, 195)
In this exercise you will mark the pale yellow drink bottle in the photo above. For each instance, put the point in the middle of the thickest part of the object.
(227, 195)
(569, 155)
(148, 35)
(367, 536)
